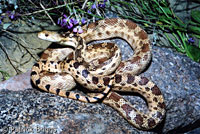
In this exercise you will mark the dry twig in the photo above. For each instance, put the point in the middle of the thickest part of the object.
(48, 9)
(47, 14)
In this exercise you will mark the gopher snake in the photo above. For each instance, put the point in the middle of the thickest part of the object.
(122, 80)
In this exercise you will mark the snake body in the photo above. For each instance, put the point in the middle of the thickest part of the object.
(69, 66)
(111, 28)
(123, 79)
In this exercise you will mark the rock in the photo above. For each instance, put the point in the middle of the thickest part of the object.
(183, 8)
(21, 46)
(25, 109)
(175, 74)
(18, 82)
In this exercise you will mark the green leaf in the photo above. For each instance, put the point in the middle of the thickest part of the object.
(5, 75)
(167, 10)
(194, 52)
(195, 14)
(194, 29)
(194, 23)
(197, 36)
(173, 43)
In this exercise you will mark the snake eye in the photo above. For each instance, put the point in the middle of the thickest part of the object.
(46, 34)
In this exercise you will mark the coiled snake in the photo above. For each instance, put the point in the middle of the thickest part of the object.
(124, 78)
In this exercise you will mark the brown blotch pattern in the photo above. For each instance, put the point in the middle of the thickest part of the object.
(128, 37)
(76, 65)
(106, 81)
(161, 105)
(107, 32)
(92, 25)
(114, 96)
(130, 24)
(147, 89)
(151, 122)
(103, 27)
(96, 46)
(99, 34)
(143, 81)
(121, 65)
(134, 84)
(142, 35)
(133, 41)
(44, 56)
(155, 90)
(146, 56)
(159, 115)
(109, 45)
(95, 80)
(130, 78)
(70, 56)
(117, 105)
(155, 108)
(155, 99)
(121, 25)
(138, 52)
(138, 119)
(111, 22)
(135, 59)
(102, 60)
(118, 78)
(145, 47)
(122, 84)
(127, 108)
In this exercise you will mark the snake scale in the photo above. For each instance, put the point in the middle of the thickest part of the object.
(123, 79)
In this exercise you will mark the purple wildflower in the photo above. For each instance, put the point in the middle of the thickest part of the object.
(191, 40)
(74, 21)
(83, 21)
(59, 21)
(78, 29)
(64, 15)
(89, 12)
(65, 20)
(102, 5)
(75, 30)
(94, 6)
(70, 25)
(12, 15)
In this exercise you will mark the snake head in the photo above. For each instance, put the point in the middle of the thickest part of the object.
(66, 38)
(49, 36)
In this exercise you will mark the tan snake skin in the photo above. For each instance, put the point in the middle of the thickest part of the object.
(139, 41)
